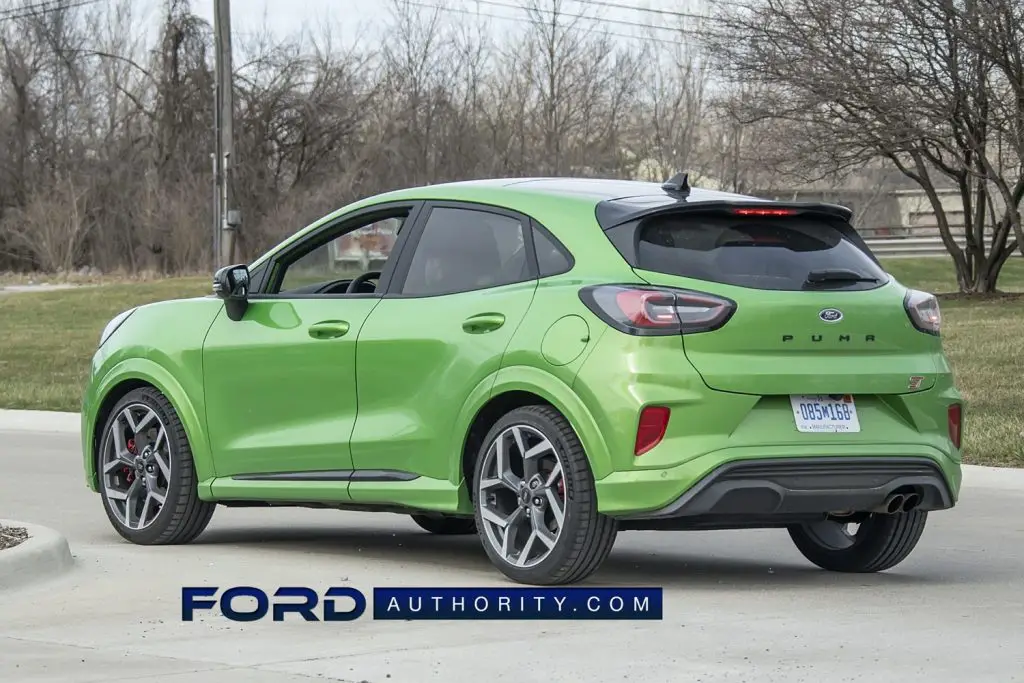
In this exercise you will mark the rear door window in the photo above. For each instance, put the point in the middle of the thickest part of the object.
(462, 250)
(779, 253)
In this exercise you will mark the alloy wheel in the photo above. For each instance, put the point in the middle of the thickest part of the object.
(136, 466)
(521, 494)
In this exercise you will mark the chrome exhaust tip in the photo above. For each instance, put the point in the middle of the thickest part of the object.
(910, 502)
(891, 505)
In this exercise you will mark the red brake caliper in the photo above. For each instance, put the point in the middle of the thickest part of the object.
(129, 473)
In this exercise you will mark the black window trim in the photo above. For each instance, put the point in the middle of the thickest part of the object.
(274, 267)
(561, 248)
(257, 276)
(402, 268)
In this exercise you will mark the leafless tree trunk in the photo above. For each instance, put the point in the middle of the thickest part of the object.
(932, 86)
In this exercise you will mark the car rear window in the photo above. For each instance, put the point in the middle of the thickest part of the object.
(753, 251)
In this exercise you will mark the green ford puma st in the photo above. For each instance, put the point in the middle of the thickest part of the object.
(542, 362)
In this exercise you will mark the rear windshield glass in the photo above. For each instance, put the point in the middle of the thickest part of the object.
(764, 253)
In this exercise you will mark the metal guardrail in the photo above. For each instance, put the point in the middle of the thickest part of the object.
(897, 246)
(909, 247)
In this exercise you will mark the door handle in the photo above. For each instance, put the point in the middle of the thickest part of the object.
(328, 329)
(485, 322)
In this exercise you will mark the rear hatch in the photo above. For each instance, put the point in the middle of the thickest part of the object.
(814, 313)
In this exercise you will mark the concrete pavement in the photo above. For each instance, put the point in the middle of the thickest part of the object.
(740, 606)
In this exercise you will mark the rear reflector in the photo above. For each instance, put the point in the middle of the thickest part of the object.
(651, 429)
(956, 423)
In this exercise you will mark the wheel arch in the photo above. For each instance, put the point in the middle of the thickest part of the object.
(515, 387)
(132, 374)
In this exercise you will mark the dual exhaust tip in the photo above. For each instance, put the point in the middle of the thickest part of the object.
(899, 502)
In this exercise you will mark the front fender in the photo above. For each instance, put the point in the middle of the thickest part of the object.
(551, 389)
(145, 370)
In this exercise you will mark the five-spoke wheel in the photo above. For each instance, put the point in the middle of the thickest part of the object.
(522, 495)
(536, 509)
(135, 465)
(146, 474)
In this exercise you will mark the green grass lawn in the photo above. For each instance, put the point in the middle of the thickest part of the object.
(47, 339)
(937, 274)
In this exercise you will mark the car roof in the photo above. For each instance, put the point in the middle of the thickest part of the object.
(596, 189)
(614, 201)
(611, 201)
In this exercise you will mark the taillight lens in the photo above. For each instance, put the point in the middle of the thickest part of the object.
(651, 428)
(652, 311)
(923, 309)
(955, 415)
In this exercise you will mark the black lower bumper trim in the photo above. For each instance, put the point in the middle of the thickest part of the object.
(796, 487)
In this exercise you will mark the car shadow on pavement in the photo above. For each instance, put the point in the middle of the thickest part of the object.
(671, 567)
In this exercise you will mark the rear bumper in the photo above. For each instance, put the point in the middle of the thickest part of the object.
(807, 486)
(748, 490)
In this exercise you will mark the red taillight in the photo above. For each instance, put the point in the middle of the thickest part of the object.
(645, 310)
(651, 429)
(956, 423)
(764, 212)
(923, 309)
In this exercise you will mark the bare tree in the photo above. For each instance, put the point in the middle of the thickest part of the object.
(106, 136)
(925, 84)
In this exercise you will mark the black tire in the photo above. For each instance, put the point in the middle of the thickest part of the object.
(183, 516)
(881, 542)
(444, 525)
(587, 536)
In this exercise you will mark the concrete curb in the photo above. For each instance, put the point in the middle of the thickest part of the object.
(45, 421)
(44, 554)
(1011, 478)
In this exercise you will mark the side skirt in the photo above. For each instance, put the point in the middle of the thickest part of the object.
(330, 475)
(362, 490)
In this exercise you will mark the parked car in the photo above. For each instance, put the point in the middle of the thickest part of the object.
(543, 362)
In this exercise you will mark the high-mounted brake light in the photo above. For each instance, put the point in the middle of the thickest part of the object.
(923, 309)
(764, 212)
(650, 311)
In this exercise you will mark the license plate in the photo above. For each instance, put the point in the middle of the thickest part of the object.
(823, 413)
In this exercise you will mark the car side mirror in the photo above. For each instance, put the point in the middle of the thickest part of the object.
(231, 283)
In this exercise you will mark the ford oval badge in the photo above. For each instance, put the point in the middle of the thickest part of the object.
(830, 315)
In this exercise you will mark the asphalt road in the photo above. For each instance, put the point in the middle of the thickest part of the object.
(740, 606)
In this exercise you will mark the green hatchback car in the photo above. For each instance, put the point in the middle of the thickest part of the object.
(542, 362)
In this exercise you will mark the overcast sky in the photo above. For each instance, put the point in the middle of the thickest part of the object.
(352, 16)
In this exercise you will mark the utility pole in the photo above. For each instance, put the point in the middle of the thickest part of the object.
(228, 218)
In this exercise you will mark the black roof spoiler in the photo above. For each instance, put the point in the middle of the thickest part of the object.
(613, 212)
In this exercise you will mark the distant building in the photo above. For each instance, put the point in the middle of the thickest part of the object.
(367, 248)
